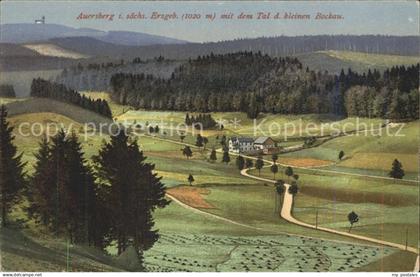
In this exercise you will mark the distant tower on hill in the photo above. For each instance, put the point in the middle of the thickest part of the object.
(40, 21)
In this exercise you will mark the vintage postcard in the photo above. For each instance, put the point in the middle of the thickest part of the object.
(209, 136)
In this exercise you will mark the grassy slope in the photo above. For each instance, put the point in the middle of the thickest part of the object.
(6, 100)
(229, 199)
(116, 109)
(372, 151)
(23, 251)
(46, 122)
(334, 61)
(386, 208)
(42, 105)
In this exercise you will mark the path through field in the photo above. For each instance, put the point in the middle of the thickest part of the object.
(286, 213)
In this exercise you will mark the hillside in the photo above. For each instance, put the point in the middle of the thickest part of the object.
(46, 49)
(91, 46)
(231, 82)
(283, 46)
(38, 253)
(28, 32)
(254, 82)
(96, 77)
(9, 49)
(334, 61)
(22, 80)
(34, 63)
(42, 105)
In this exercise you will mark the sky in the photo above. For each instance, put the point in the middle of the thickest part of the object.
(364, 17)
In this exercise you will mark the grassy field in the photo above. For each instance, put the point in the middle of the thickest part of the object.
(5, 100)
(386, 209)
(30, 128)
(276, 126)
(334, 61)
(372, 151)
(179, 252)
(116, 109)
(43, 105)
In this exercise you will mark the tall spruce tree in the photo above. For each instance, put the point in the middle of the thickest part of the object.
(12, 176)
(134, 193)
(40, 194)
(80, 193)
(62, 195)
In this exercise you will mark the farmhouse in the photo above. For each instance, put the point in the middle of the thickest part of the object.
(241, 145)
(265, 144)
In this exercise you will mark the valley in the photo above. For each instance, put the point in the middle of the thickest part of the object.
(226, 193)
(130, 151)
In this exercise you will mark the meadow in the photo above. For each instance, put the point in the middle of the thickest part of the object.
(372, 150)
(334, 61)
(258, 254)
(386, 208)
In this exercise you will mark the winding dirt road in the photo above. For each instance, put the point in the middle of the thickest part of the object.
(286, 213)
(312, 169)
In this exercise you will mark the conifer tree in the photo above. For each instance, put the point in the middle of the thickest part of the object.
(40, 194)
(187, 152)
(213, 156)
(199, 141)
(134, 193)
(190, 179)
(226, 157)
(397, 171)
(62, 195)
(12, 176)
(240, 162)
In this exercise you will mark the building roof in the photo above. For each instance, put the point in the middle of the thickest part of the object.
(261, 140)
(242, 140)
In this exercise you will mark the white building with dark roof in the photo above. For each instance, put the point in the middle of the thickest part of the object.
(241, 145)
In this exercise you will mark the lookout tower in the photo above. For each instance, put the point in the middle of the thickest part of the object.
(40, 21)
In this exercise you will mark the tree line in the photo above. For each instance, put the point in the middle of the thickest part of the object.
(97, 76)
(393, 94)
(205, 120)
(7, 91)
(47, 89)
(254, 83)
(108, 200)
(273, 46)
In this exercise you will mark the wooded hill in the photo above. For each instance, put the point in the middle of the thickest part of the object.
(253, 83)
(47, 89)
(97, 76)
(273, 46)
